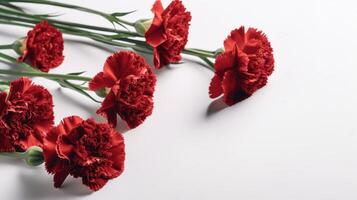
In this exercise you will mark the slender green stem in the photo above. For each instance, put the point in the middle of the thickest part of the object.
(68, 28)
(79, 32)
(8, 46)
(4, 83)
(9, 5)
(63, 80)
(2, 21)
(114, 40)
(197, 53)
(209, 63)
(31, 72)
(20, 155)
(125, 22)
(44, 75)
(202, 50)
(59, 22)
(75, 7)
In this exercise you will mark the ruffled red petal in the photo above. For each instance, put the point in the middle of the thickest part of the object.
(237, 37)
(244, 67)
(26, 114)
(100, 81)
(215, 88)
(108, 108)
(131, 95)
(60, 177)
(44, 47)
(168, 32)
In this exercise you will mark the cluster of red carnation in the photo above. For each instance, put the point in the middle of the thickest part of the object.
(95, 151)
(243, 67)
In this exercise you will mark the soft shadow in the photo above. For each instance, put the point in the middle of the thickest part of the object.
(149, 60)
(91, 110)
(7, 78)
(10, 34)
(215, 107)
(201, 63)
(11, 65)
(103, 47)
(35, 186)
(6, 161)
(122, 127)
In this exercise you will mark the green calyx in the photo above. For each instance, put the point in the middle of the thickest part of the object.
(34, 156)
(19, 46)
(102, 92)
(142, 25)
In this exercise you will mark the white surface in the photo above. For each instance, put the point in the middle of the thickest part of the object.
(295, 139)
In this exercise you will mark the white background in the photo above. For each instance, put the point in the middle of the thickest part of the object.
(295, 139)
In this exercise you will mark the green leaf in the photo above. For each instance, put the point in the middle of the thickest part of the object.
(121, 14)
(9, 5)
(72, 86)
(76, 73)
(47, 15)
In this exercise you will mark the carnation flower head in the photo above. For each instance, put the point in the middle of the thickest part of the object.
(84, 149)
(131, 85)
(168, 33)
(43, 47)
(26, 114)
(244, 66)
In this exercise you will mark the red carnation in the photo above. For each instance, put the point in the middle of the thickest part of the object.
(26, 114)
(131, 83)
(43, 47)
(244, 67)
(168, 32)
(95, 152)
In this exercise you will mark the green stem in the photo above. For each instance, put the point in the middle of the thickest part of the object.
(72, 24)
(67, 27)
(71, 28)
(8, 46)
(2, 21)
(75, 7)
(4, 83)
(44, 75)
(20, 155)
(194, 52)
(210, 65)
(79, 32)
(31, 72)
(59, 78)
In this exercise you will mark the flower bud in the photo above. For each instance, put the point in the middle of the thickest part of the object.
(19, 46)
(34, 156)
(102, 92)
(141, 26)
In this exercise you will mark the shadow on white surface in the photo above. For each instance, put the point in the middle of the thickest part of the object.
(91, 110)
(35, 183)
(34, 186)
(215, 107)
(13, 162)
(10, 34)
(76, 43)
(78, 102)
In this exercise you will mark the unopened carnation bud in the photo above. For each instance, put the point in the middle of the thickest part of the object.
(19, 46)
(34, 156)
(102, 92)
(142, 25)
